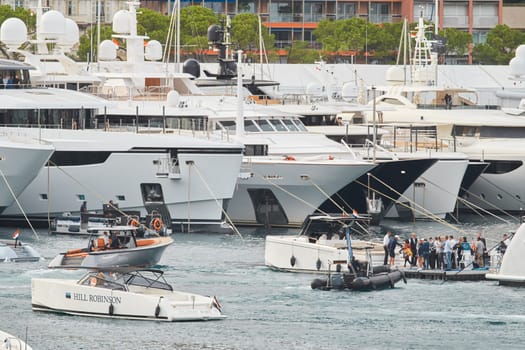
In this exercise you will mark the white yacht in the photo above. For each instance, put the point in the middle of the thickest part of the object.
(21, 158)
(186, 179)
(485, 134)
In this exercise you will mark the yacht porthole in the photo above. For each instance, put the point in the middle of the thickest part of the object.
(500, 196)
(482, 196)
(518, 196)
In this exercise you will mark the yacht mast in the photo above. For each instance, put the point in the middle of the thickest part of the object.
(239, 129)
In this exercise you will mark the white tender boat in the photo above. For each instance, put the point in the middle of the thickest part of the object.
(11, 342)
(139, 295)
(512, 268)
(320, 247)
(120, 248)
(16, 251)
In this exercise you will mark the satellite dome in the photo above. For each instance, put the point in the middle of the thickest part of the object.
(13, 32)
(153, 51)
(349, 91)
(52, 25)
(122, 22)
(517, 66)
(107, 50)
(520, 51)
(71, 35)
(214, 33)
(395, 73)
(173, 98)
(192, 66)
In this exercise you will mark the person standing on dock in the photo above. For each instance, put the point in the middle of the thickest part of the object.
(386, 241)
(466, 253)
(440, 243)
(432, 255)
(413, 248)
(392, 245)
(480, 252)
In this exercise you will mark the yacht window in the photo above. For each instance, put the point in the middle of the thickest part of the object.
(255, 150)
(249, 126)
(290, 125)
(43, 196)
(465, 130)
(227, 124)
(502, 166)
(120, 197)
(81, 197)
(264, 125)
(299, 125)
(502, 132)
(278, 125)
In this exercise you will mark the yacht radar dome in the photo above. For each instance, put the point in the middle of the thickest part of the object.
(349, 91)
(13, 33)
(52, 25)
(173, 98)
(71, 35)
(517, 64)
(192, 66)
(153, 51)
(108, 51)
(395, 74)
(122, 22)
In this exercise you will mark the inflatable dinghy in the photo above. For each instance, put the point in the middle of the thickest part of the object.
(380, 278)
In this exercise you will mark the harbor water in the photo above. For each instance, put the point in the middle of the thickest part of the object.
(275, 310)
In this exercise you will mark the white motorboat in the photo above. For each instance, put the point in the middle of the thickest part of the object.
(509, 269)
(15, 250)
(151, 225)
(11, 342)
(321, 246)
(113, 247)
(138, 295)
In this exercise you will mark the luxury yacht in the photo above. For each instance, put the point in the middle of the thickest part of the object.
(486, 134)
(21, 158)
(186, 179)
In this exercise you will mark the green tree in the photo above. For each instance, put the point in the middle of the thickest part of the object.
(301, 53)
(245, 33)
(153, 24)
(500, 47)
(194, 22)
(84, 48)
(457, 41)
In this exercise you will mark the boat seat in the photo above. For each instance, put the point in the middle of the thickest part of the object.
(101, 244)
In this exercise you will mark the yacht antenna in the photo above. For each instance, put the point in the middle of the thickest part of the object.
(98, 34)
(239, 130)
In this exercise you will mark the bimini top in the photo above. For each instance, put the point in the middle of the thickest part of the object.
(14, 65)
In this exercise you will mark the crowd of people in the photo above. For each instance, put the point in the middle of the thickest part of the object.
(441, 253)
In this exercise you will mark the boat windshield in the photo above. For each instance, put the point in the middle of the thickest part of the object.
(146, 278)
(100, 279)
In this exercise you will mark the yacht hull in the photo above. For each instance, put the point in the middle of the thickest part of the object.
(20, 163)
(434, 193)
(283, 193)
(195, 193)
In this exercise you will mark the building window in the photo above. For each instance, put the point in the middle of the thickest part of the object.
(379, 13)
(72, 7)
(345, 10)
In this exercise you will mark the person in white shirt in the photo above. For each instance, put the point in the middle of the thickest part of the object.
(386, 240)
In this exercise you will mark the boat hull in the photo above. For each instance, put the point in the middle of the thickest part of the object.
(297, 254)
(142, 256)
(68, 297)
(296, 187)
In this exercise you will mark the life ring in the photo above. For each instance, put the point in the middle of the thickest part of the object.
(133, 222)
(157, 224)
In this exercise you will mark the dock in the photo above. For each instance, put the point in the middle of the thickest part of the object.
(451, 275)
